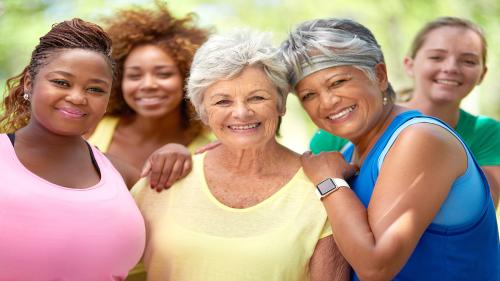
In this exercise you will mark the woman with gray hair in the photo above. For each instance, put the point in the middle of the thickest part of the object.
(246, 211)
(402, 222)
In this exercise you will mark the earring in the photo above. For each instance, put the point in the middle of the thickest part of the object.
(385, 100)
(26, 96)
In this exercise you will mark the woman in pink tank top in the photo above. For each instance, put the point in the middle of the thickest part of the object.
(65, 211)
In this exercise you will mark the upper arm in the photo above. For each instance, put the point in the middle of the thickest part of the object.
(327, 263)
(492, 174)
(129, 173)
(414, 180)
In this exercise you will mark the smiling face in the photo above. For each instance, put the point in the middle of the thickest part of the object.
(243, 112)
(447, 66)
(343, 100)
(152, 84)
(71, 92)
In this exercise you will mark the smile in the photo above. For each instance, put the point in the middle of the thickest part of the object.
(342, 113)
(72, 113)
(448, 82)
(244, 127)
(148, 101)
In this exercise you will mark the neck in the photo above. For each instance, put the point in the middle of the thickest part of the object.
(261, 160)
(364, 144)
(164, 128)
(38, 137)
(446, 111)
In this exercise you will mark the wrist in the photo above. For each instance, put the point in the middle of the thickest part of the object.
(329, 186)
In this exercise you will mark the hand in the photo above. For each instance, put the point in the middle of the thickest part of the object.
(326, 165)
(167, 165)
(207, 147)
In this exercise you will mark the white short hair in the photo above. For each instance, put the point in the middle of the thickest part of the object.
(224, 56)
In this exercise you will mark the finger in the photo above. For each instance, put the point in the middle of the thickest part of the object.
(157, 164)
(207, 147)
(146, 168)
(175, 174)
(187, 167)
(164, 174)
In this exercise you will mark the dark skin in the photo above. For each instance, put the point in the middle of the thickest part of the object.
(69, 94)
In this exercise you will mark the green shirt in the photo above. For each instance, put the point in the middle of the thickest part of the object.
(480, 133)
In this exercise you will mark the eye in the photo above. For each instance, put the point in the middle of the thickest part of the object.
(96, 90)
(435, 58)
(60, 83)
(222, 102)
(133, 76)
(337, 82)
(307, 96)
(165, 75)
(470, 62)
(256, 98)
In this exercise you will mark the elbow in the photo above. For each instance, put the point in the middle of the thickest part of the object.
(374, 275)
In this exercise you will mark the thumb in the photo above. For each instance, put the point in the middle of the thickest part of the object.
(146, 168)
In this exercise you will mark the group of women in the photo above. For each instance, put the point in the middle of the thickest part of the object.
(391, 206)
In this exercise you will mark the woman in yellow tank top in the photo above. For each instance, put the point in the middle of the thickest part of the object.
(147, 109)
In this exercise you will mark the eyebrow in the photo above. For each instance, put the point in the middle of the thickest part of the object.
(70, 75)
(156, 66)
(443, 50)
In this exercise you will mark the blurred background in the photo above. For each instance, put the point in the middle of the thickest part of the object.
(394, 23)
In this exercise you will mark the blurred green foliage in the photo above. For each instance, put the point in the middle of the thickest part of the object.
(394, 23)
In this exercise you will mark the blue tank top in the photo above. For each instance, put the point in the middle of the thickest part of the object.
(461, 243)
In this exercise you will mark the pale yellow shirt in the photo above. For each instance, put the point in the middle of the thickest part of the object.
(192, 236)
(103, 134)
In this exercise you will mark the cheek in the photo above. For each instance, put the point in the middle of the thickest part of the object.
(173, 85)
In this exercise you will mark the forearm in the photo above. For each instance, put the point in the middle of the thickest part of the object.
(373, 257)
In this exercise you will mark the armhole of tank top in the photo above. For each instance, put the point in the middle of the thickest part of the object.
(464, 176)
(12, 138)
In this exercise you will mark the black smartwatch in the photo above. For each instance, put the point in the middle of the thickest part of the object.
(330, 185)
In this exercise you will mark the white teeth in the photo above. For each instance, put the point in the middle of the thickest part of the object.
(342, 113)
(149, 100)
(447, 82)
(244, 127)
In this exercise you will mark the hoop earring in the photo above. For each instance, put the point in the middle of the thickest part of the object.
(26, 96)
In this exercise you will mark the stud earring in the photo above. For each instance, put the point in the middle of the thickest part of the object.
(26, 96)
(385, 100)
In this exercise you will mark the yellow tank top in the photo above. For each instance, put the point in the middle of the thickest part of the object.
(192, 236)
(103, 134)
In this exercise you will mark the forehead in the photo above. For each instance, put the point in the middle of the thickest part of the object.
(251, 78)
(149, 54)
(79, 62)
(324, 75)
(453, 38)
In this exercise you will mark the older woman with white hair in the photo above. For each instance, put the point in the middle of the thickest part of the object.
(419, 208)
(246, 211)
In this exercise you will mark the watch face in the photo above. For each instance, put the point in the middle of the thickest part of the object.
(326, 186)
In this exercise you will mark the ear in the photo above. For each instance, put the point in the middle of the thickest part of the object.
(381, 72)
(482, 75)
(408, 66)
(28, 83)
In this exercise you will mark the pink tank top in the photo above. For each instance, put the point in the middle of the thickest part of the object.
(50, 232)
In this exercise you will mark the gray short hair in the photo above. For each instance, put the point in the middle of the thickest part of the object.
(322, 43)
(224, 56)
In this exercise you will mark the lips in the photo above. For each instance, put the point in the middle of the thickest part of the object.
(342, 113)
(72, 112)
(150, 101)
(244, 127)
(448, 82)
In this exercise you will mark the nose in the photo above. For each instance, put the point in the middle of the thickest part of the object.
(242, 111)
(149, 82)
(328, 100)
(77, 97)
(450, 65)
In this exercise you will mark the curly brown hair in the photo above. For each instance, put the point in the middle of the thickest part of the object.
(70, 34)
(178, 37)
